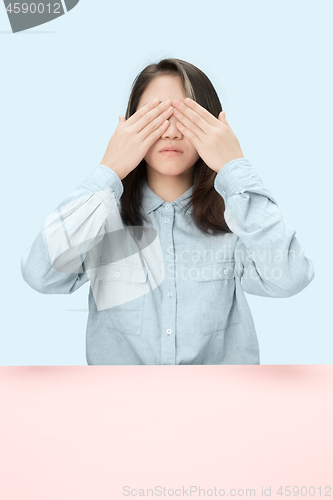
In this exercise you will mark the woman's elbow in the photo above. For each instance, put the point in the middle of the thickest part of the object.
(32, 277)
(302, 279)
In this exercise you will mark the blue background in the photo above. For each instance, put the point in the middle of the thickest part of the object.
(63, 87)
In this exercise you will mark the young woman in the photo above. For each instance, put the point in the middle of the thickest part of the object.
(170, 229)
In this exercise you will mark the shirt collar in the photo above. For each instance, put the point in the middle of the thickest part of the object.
(151, 201)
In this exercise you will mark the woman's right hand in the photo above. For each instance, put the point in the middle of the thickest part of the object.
(133, 137)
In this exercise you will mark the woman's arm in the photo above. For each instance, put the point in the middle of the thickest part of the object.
(55, 263)
(57, 260)
(268, 255)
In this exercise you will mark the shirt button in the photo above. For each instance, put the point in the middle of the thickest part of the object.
(117, 274)
(167, 206)
(169, 331)
(225, 272)
(168, 257)
(170, 294)
(166, 220)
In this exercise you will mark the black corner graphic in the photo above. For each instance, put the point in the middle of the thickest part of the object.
(70, 4)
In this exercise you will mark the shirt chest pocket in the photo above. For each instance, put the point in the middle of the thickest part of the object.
(119, 294)
(216, 287)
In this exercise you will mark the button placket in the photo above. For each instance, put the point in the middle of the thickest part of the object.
(168, 341)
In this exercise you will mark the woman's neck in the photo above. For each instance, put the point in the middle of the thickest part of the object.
(169, 187)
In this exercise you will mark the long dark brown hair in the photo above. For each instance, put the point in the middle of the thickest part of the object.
(207, 204)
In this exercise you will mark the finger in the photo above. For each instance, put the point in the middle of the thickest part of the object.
(222, 118)
(188, 134)
(191, 126)
(182, 111)
(189, 104)
(151, 126)
(153, 103)
(160, 113)
(222, 115)
(149, 141)
(145, 117)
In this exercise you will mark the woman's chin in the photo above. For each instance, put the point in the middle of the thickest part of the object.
(170, 169)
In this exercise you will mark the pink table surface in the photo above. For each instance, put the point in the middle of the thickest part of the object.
(88, 432)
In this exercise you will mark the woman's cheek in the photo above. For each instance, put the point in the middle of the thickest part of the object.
(147, 156)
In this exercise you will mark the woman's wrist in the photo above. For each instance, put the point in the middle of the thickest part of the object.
(114, 168)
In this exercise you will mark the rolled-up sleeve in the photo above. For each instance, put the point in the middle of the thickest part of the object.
(269, 259)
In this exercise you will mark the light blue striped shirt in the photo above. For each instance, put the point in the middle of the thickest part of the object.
(173, 294)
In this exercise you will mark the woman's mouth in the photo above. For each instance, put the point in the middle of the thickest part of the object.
(171, 153)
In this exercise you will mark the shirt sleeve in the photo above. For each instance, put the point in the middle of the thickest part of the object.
(56, 261)
(268, 257)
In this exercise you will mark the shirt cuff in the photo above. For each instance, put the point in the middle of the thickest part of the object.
(235, 177)
(103, 177)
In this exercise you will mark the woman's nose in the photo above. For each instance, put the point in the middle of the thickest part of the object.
(172, 131)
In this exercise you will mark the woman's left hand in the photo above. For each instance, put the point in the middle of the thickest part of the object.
(212, 137)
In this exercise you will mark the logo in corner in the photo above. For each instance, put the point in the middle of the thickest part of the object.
(25, 15)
